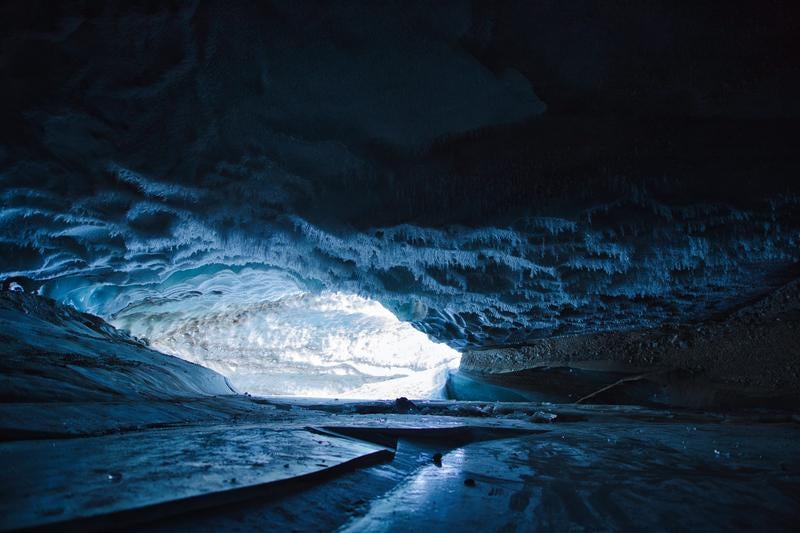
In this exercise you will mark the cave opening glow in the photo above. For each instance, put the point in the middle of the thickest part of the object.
(269, 336)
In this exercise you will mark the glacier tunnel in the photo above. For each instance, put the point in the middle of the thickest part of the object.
(375, 266)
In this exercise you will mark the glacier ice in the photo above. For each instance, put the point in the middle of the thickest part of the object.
(269, 337)
(530, 277)
(286, 306)
(176, 154)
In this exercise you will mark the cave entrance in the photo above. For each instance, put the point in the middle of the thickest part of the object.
(270, 338)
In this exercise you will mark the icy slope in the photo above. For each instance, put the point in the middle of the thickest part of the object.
(50, 352)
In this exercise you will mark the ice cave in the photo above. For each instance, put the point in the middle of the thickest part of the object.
(322, 265)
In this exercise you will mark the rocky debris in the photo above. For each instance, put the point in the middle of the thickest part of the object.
(543, 417)
(404, 405)
(755, 348)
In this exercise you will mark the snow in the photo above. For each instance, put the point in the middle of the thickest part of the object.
(51, 352)
(279, 340)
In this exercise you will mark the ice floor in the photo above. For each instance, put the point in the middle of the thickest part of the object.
(372, 466)
(98, 431)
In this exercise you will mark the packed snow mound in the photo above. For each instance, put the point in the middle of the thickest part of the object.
(51, 352)
(270, 338)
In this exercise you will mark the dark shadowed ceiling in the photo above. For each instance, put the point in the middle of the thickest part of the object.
(491, 171)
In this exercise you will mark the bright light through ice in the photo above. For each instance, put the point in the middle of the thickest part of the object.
(324, 345)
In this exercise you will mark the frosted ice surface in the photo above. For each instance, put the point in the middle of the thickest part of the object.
(280, 340)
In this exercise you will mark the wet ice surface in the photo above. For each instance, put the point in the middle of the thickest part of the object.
(614, 476)
(95, 424)
(48, 481)
(595, 467)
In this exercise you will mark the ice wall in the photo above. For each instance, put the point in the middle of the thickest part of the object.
(471, 167)
(268, 337)
(466, 286)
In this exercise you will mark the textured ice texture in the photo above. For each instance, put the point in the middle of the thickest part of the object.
(401, 154)
(50, 352)
(532, 277)
(258, 329)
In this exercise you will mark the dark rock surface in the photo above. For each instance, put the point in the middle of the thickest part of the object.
(755, 351)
